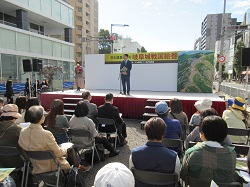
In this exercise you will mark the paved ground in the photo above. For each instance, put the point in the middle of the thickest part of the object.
(136, 137)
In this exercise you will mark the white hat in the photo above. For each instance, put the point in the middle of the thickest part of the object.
(203, 104)
(114, 175)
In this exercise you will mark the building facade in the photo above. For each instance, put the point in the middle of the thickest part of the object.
(211, 29)
(86, 25)
(35, 29)
(126, 45)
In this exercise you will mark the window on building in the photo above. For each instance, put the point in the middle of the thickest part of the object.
(79, 9)
(87, 5)
(79, 1)
(79, 18)
(79, 27)
(79, 46)
(87, 14)
(87, 31)
(115, 50)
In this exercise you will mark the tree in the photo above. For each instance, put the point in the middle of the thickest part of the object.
(237, 58)
(104, 44)
(143, 50)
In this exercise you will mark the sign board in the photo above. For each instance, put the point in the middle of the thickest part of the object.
(144, 58)
(221, 59)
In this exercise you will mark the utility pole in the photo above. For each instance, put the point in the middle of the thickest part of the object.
(222, 44)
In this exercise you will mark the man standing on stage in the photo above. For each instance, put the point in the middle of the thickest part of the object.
(125, 68)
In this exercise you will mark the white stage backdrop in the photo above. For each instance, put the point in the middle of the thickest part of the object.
(145, 77)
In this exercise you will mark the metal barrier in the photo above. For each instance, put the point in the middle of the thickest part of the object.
(235, 92)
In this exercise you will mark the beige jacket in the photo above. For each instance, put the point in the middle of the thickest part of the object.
(35, 138)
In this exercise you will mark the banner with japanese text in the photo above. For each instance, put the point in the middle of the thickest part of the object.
(144, 58)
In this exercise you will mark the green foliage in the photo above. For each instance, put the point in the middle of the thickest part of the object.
(143, 50)
(104, 45)
(237, 58)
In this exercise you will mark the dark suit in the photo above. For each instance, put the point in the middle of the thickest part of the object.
(111, 112)
(126, 78)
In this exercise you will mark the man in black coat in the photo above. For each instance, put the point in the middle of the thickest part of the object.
(111, 112)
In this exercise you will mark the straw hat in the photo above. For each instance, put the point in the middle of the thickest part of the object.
(11, 110)
(239, 103)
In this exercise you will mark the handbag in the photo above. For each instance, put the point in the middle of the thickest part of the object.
(73, 157)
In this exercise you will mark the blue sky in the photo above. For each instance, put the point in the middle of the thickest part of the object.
(164, 25)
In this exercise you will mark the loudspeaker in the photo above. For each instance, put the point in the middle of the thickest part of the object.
(27, 65)
(37, 65)
(245, 57)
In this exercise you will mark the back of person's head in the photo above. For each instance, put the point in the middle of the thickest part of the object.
(176, 106)
(35, 114)
(21, 102)
(109, 97)
(85, 94)
(1, 100)
(27, 79)
(33, 101)
(208, 112)
(56, 108)
(155, 128)
(161, 109)
(114, 175)
(214, 128)
(81, 110)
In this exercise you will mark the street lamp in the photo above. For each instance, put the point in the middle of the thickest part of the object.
(116, 25)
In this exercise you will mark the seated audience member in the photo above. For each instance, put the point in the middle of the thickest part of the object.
(1, 104)
(174, 129)
(33, 101)
(35, 138)
(237, 117)
(194, 136)
(21, 103)
(154, 156)
(93, 112)
(230, 102)
(114, 174)
(9, 134)
(111, 112)
(80, 121)
(176, 112)
(210, 160)
(56, 119)
(200, 106)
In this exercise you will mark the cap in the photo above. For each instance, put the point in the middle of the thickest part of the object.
(239, 103)
(11, 110)
(161, 107)
(114, 175)
(203, 104)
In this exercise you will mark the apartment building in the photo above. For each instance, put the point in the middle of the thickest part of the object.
(211, 29)
(86, 25)
(35, 29)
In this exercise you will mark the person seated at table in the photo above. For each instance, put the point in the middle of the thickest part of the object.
(9, 135)
(237, 117)
(176, 112)
(80, 121)
(114, 174)
(194, 136)
(111, 112)
(56, 119)
(174, 130)
(93, 112)
(35, 138)
(21, 103)
(200, 106)
(210, 160)
(154, 156)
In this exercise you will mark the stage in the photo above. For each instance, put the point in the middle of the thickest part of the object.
(134, 106)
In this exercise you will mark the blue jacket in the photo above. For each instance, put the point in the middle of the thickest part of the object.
(128, 66)
(174, 129)
(153, 157)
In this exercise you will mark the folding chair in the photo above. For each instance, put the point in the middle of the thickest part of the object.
(44, 155)
(241, 149)
(155, 178)
(107, 126)
(239, 132)
(59, 134)
(82, 133)
(193, 182)
(13, 151)
(191, 144)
